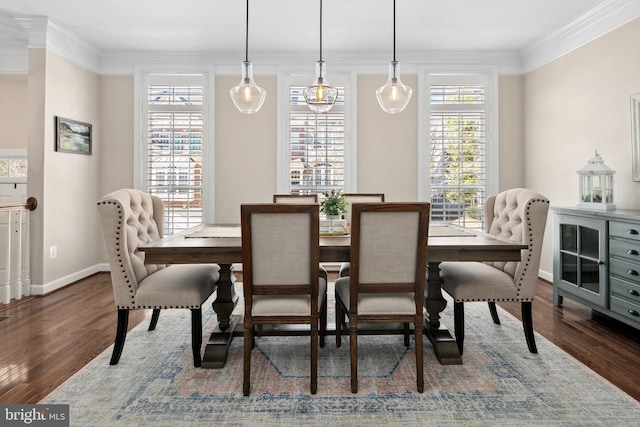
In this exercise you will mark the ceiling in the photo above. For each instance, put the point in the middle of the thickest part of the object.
(292, 26)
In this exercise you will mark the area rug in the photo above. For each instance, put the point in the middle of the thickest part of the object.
(499, 384)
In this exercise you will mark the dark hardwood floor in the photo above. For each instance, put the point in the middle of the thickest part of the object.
(44, 340)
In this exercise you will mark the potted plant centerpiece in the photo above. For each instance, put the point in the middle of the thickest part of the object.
(333, 206)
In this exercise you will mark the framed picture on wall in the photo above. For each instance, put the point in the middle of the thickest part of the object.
(73, 136)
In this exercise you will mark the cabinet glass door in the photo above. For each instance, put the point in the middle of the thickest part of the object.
(581, 265)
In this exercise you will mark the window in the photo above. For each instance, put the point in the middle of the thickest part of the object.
(13, 166)
(458, 129)
(316, 152)
(173, 143)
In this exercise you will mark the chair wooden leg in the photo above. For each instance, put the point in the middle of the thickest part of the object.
(323, 321)
(154, 319)
(419, 356)
(494, 312)
(121, 335)
(196, 335)
(458, 320)
(353, 344)
(407, 341)
(527, 324)
(248, 339)
(339, 315)
(314, 357)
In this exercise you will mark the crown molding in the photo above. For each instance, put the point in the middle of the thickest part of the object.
(605, 17)
(228, 63)
(43, 32)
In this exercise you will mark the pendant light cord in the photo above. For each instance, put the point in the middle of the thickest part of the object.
(246, 38)
(394, 30)
(320, 30)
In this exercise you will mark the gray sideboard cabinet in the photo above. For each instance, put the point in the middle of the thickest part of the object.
(597, 261)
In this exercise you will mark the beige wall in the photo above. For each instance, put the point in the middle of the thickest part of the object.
(245, 150)
(67, 185)
(13, 112)
(576, 105)
(116, 133)
(511, 132)
(387, 143)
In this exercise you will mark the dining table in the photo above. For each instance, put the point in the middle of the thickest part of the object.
(221, 244)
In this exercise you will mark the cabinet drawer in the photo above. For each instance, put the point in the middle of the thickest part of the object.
(626, 270)
(625, 308)
(628, 230)
(624, 289)
(625, 248)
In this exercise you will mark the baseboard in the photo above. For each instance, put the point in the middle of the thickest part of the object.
(545, 275)
(46, 288)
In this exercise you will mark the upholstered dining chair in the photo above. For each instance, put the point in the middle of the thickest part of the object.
(351, 199)
(276, 237)
(518, 214)
(388, 268)
(129, 219)
(295, 198)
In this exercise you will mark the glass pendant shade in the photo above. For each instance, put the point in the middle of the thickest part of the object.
(320, 96)
(394, 96)
(248, 96)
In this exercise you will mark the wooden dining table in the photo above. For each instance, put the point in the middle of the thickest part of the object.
(221, 244)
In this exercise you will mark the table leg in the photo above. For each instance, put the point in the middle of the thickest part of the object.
(444, 345)
(217, 348)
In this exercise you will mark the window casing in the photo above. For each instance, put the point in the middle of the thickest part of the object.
(173, 146)
(458, 164)
(315, 150)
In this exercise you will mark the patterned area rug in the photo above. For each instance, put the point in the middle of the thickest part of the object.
(499, 384)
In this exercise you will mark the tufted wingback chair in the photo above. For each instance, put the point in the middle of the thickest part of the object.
(520, 215)
(129, 219)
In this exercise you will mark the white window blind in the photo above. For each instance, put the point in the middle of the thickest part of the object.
(174, 141)
(458, 141)
(316, 144)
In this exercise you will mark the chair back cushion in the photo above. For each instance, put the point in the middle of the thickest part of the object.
(295, 199)
(279, 242)
(129, 218)
(352, 198)
(520, 215)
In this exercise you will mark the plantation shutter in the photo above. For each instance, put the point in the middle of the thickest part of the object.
(316, 145)
(457, 129)
(175, 129)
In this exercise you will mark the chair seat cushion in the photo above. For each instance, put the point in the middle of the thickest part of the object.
(476, 281)
(178, 286)
(386, 303)
(287, 305)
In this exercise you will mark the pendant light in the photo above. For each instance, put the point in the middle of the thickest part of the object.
(394, 96)
(320, 96)
(247, 96)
